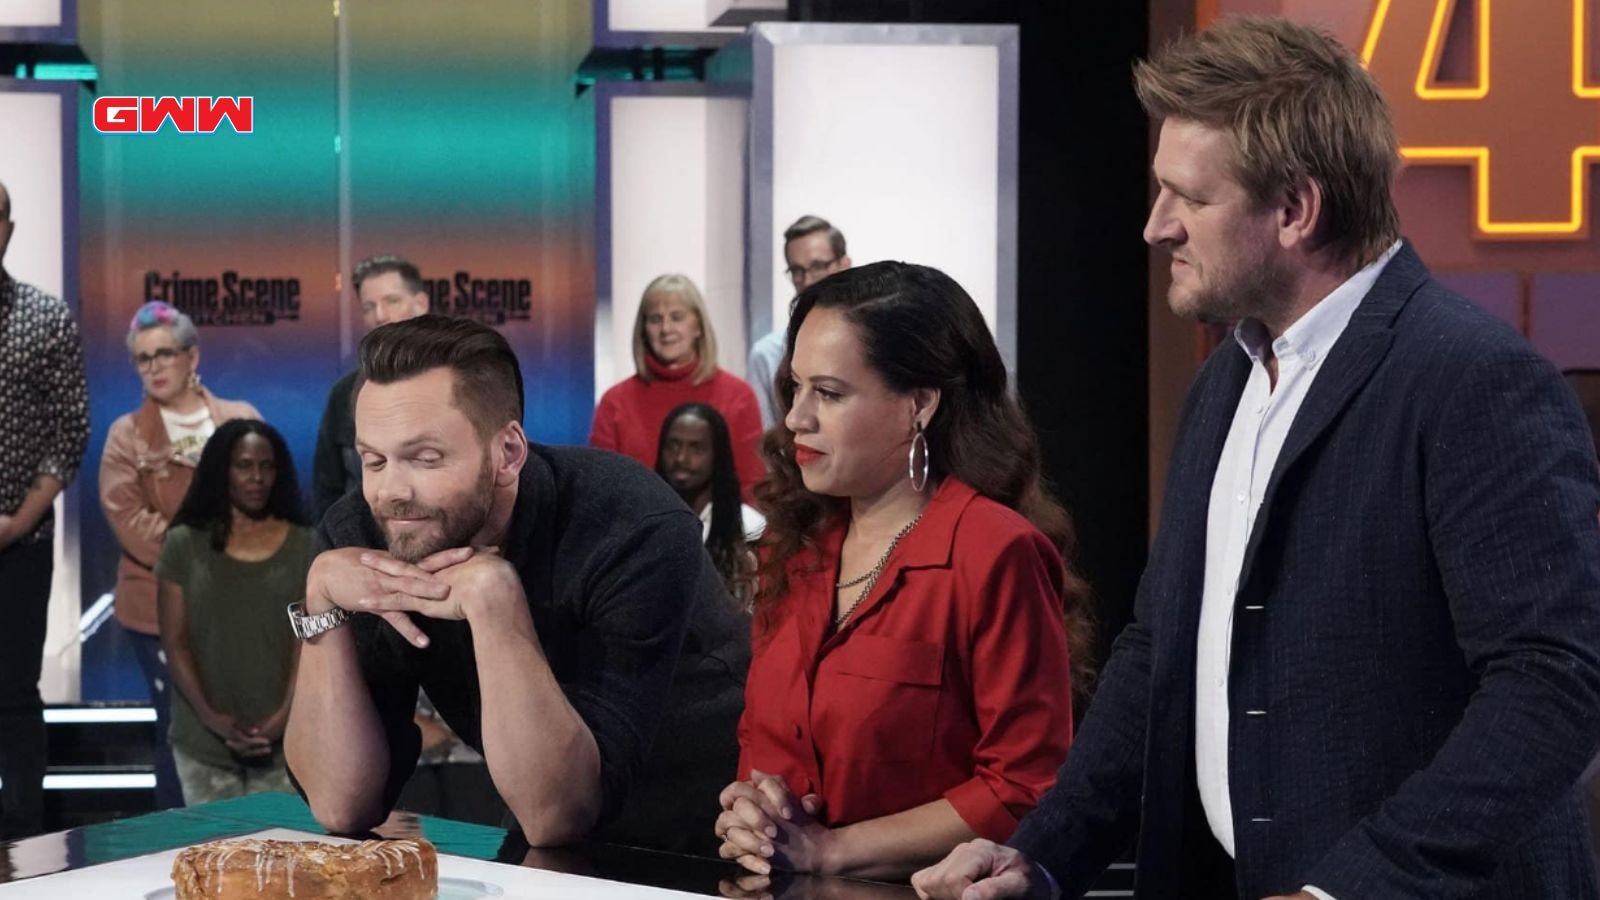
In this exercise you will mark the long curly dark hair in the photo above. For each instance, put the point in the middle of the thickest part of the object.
(206, 507)
(726, 542)
(920, 329)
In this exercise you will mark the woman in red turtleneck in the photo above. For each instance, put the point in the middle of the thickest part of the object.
(675, 358)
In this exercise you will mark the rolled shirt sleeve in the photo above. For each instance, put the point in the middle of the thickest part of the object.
(1022, 688)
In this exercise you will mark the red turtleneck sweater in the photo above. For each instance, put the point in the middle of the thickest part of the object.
(628, 419)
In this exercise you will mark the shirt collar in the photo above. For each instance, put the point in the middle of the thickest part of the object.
(660, 371)
(928, 544)
(1311, 337)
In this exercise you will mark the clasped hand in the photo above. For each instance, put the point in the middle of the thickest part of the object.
(446, 585)
(245, 740)
(10, 531)
(763, 826)
(984, 870)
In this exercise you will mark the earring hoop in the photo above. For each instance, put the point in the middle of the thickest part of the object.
(918, 484)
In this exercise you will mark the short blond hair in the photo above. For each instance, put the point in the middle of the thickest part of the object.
(705, 346)
(1296, 105)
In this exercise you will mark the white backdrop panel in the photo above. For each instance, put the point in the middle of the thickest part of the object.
(30, 13)
(895, 145)
(677, 205)
(665, 15)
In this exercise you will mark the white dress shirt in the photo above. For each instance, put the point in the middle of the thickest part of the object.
(751, 523)
(761, 368)
(1260, 424)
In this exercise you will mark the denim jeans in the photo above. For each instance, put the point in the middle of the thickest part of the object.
(147, 650)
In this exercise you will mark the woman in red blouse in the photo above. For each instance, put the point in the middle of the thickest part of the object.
(675, 358)
(911, 684)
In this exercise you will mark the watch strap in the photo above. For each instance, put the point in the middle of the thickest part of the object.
(306, 627)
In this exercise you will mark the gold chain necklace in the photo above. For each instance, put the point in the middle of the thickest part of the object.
(871, 578)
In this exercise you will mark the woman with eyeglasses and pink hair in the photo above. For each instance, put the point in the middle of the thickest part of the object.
(149, 461)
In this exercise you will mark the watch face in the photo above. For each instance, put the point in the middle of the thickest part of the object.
(295, 618)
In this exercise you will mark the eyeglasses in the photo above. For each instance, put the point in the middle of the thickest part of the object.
(815, 270)
(158, 359)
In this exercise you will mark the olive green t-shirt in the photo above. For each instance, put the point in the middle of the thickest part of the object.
(238, 632)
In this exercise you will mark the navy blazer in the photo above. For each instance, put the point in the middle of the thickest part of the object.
(1417, 626)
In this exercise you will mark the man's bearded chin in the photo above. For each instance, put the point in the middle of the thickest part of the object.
(455, 529)
(456, 526)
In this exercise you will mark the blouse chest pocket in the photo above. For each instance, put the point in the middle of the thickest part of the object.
(884, 696)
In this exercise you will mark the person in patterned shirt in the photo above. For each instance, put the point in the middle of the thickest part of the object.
(44, 425)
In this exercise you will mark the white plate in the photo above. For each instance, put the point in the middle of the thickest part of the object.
(449, 889)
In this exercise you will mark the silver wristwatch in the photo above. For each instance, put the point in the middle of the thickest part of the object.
(307, 627)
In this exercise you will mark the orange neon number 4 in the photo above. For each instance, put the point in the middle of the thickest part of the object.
(1528, 123)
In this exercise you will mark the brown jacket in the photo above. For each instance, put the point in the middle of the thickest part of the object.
(142, 483)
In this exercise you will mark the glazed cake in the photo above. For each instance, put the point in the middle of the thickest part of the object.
(307, 870)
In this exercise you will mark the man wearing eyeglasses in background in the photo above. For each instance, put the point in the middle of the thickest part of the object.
(44, 426)
(812, 250)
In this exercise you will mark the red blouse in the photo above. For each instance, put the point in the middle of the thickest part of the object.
(950, 680)
(629, 415)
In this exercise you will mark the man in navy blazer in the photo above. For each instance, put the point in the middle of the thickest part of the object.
(1366, 656)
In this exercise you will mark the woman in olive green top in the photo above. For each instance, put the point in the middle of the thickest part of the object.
(239, 548)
